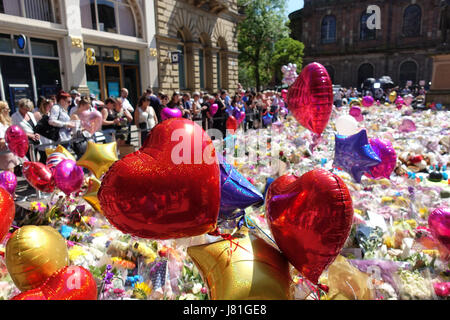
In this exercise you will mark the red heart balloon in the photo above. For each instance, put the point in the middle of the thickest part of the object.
(7, 212)
(170, 188)
(310, 98)
(39, 176)
(68, 283)
(310, 218)
(232, 123)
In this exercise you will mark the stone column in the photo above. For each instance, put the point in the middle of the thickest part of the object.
(73, 50)
(149, 57)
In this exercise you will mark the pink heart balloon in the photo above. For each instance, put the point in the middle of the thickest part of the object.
(385, 151)
(8, 181)
(355, 112)
(168, 113)
(17, 141)
(439, 223)
(213, 109)
(368, 101)
(310, 98)
(407, 126)
(91, 120)
(284, 94)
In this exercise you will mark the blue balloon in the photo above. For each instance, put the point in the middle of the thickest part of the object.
(65, 231)
(354, 154)
(267, 119)
(237, 193)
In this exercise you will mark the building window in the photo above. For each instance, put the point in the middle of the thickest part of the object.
(330, 71)
(181, 67)
(328, 33)
(114, 16)
(365, 71)
(412, 21)
(408, 72)
(201, 62)
(218, 71)
(366, 33)
(32, 9)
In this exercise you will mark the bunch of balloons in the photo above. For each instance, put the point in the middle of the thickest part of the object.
(289, 73)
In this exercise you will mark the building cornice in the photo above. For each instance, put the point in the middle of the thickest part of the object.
(32, 27)
(108, 39)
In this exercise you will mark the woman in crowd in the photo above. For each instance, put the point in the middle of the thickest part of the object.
(196, 107)
(59, 117)
(205, 109)
(125, 119)
(164, 98)
(220, 118)
(145, 117)
(109, 119)
(8, 161)
(25, 119)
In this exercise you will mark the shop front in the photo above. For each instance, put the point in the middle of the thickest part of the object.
(29, 68)
(112, 69)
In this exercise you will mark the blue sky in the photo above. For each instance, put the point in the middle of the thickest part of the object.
(293, 5)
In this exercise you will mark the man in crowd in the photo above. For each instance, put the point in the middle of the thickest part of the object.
(74, 94)
(125, 102)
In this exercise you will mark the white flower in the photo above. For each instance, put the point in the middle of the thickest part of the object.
(196, 289)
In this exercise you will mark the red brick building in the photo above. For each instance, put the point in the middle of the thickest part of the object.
(335, 33)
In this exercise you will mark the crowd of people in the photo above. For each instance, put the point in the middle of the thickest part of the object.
(56, 119)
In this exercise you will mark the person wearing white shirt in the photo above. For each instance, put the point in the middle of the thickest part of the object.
(125, 102)
(145, 117)
(60, 118)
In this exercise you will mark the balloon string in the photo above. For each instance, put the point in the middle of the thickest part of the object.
(253, 225)
(229, 237)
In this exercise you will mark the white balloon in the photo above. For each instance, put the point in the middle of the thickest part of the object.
(346, 125)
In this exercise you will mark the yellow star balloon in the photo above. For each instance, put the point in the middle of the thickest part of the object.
(99, 157)
(62, 150)
(251, 270)
(91, 194)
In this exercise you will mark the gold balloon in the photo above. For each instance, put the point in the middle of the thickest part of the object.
(355, 103)
(257, 272)
(34, 253)
(91, 194)
(393, 96)
(346, 282)
(62, 150)
(99, 157)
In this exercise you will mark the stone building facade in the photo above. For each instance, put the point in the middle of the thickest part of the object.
(101, 46)
(205, 35)
(335, 33)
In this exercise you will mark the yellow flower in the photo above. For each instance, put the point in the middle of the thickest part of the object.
(386, 199)
(389, 242)
(423, 213)
(358, 211)
(142, 290)
(75, 252)
(122, 263)
(433, 253)
(412, 223)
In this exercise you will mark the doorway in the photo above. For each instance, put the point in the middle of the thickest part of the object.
(131, 82)
(113, 80)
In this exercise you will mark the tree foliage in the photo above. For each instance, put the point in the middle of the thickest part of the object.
(287, 50)
(264, 25)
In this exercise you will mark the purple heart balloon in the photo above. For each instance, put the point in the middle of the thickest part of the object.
(237, 113)
(213, 109)
(407, 126)
(439, 223)
(8, 181)
(168, 113)
(385, 151)
(91, 120)
(68, 176)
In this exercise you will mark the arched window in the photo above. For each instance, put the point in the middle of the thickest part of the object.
(408, 72)
(181, 63)
(222, 65)
(365, 71)
(412, 18)
(330, 70)
(205, 62)
(365, 32)
(328, 30)
(113, 16)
